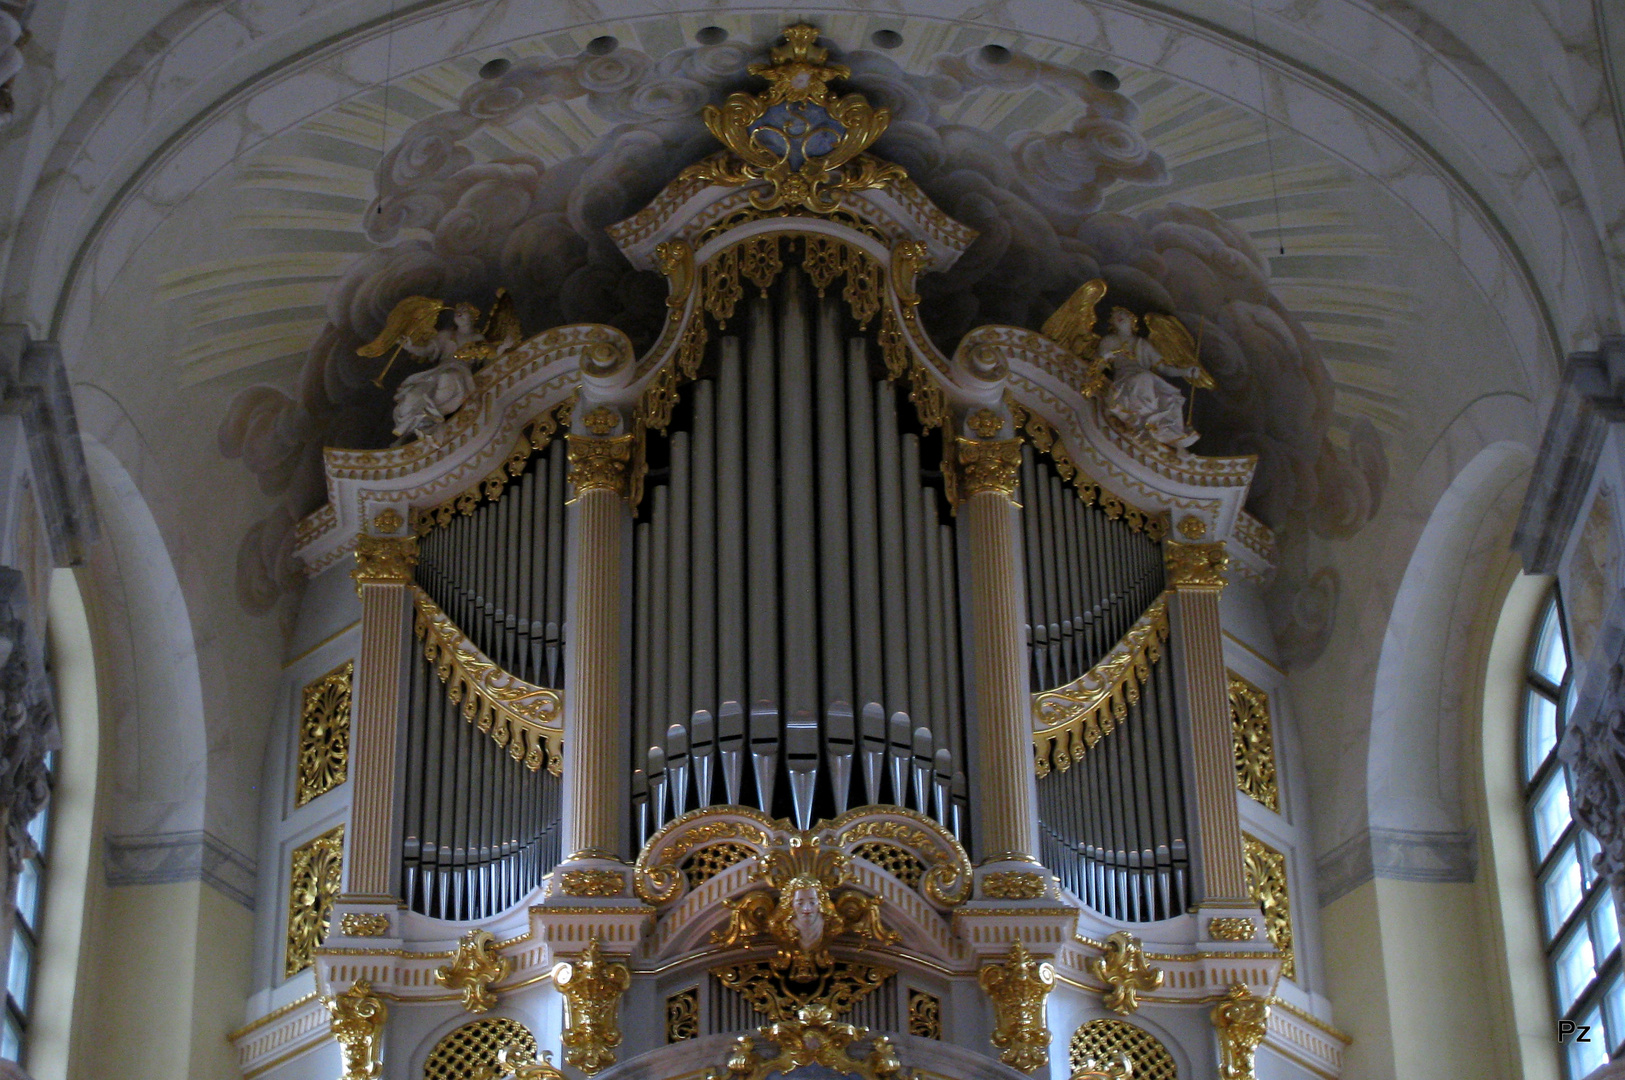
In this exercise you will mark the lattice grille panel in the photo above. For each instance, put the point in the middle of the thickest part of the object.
(1101, 1041)
(461, 1052)
(894, 860)
(712, 860)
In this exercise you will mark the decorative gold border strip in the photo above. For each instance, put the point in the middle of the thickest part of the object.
(1089, 707)
(524, 719)
(532, 439)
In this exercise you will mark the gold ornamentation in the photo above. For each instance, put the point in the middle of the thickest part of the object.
(777, 996)
(1070, 719)
(1228, 928)
(1266, 884)
(1125, 969)
(813, 1037)
(1241, 1021)
(592, 987)
(313, 882)
(658, 878)
(414, 326)
(1195, 565)
(683, 1015)
(804, 907)
(360, 924)
(356, 1019)
(525, 719)
(1018, 989)
(985, 423)
(384, 560)
(1072, 326)
(532, 440)
(388, 520)
(1117, 1050)
(713, 859)
(476, 966)
(601, 421)
(987, 466)
(892, 859)
(797, 137)
(1044, 438)
(324, 734)
(1192, 527)
(908, 258)
(1254, 744)
(593, 883)
(924, 1015)
(482, 1050)
(1013, 885)
(601, 463)
(947, 880)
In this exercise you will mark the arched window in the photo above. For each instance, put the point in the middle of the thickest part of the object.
(1580, 926)
(27, 909)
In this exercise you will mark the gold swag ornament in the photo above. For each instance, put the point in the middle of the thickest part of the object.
(800, 138)
(1018, 989)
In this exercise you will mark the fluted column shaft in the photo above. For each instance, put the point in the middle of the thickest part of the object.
(383, 575)
(595, 796)
(1196, 573)
(1007, 795)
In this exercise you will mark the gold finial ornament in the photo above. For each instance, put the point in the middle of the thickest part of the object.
(592, 986)
(384, 560)
(356, 1019)
(1126, 971)
(476, 966)
(797, 137)
(1241, 1021)
(1018, 989)
(1195, 565)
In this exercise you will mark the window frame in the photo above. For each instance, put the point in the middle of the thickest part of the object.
(17, 1015)
(1595, 903)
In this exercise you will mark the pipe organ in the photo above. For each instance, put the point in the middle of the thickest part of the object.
(793, 672)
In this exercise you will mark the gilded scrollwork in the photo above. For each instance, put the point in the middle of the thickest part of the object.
(812, 1037)
(324, 734)
(683, 1015)
(1069, 720)
(1126, 972)
(1253, 742)
(523, 718)
(1266, 884)
(924, 1015)
(1241, 1021)
(477, 964)
(1019, 989)
(533, 439)
(1231, 928)
(363, 924)
(800, 142)
(314, 879)
(592, 986)
(356, 1020)
(592, 883)
(1013, 885)
(777, 996)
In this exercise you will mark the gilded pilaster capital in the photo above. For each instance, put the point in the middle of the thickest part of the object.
(384, 560)
(1241, 1021)
(1196, 566)
(987, 466)
(599, 462)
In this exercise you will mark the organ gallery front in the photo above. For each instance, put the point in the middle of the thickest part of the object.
(788, 695)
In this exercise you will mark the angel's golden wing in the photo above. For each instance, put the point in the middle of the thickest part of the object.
(502, 325)
(1073, 324)
(1170, 338)
(414, 320)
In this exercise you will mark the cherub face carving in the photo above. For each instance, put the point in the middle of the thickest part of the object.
(807, 915)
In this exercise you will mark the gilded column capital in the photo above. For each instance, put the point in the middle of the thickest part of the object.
(384, 560)
(356, 1019)
(1196, 566)
(600, 462)
(987, 466)
(1241, 1021)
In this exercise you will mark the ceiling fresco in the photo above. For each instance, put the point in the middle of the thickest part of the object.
(451, 182)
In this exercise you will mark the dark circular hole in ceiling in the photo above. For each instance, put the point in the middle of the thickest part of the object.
(1105, 79)
(886, 39)
(711, 35)
(995, 54)
(495, 69)
(603, 46)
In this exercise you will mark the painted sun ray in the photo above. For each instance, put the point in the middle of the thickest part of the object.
(251, 269)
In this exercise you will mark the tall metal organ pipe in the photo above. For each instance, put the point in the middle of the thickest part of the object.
(817, 572)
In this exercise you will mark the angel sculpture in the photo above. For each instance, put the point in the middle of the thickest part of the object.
(1139, 396)
(425, 399)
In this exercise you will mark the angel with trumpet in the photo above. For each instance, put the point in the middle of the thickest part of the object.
(1135, 393)
(424, 399)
